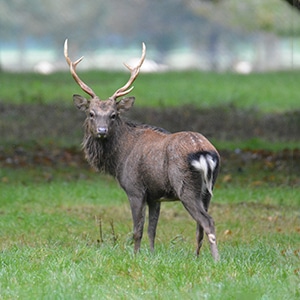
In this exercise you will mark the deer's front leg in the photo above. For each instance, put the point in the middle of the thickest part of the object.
(137, 205)
(154, 210)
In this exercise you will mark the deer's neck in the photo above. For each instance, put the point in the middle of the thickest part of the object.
(107, 154)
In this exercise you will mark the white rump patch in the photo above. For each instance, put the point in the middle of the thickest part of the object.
(204, 164)
(200, 164)
(212, 163)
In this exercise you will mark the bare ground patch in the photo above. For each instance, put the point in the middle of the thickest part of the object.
(50, 135)
(27, 123)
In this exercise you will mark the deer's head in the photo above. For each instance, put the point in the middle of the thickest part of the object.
(103, 114)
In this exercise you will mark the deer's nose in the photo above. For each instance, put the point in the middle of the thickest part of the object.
(102, 131)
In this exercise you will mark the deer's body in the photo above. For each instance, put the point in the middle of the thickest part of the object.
(151, 164)
(154, 158)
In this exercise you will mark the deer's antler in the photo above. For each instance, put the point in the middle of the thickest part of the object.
(73, 65)
(134, 73)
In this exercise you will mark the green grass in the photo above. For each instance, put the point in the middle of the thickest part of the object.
(254, 144)
(268, 92)
(104, 273)
(50, 241)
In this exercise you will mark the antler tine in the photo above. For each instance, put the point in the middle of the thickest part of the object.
(73, 65)
(134, 73)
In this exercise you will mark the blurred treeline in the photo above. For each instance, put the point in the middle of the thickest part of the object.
(211, 35)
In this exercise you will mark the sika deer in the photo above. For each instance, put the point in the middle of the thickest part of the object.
(151, 164)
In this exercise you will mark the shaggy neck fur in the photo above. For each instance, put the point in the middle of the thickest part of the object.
(103, 154)
(107, 154)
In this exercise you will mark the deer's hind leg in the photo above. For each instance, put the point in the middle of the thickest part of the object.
(199, 230)
(196, 208)
(199, 238)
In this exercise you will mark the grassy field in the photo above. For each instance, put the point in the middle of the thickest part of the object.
(65, 231)
(271, 92)
(51, 246)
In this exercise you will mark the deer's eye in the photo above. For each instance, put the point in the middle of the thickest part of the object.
(113, 116)
(92, 114)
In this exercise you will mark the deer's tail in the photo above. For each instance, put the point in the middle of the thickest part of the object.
(208, 164)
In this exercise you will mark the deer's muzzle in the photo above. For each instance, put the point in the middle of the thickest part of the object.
(102, 132)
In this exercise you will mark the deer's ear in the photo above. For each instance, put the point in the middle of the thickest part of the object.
(125, 104)
(80, 102)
